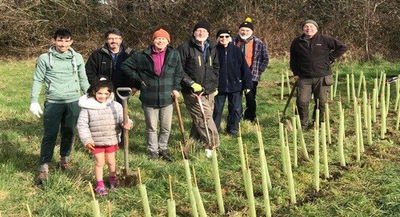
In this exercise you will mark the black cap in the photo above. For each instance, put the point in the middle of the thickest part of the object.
(202, 24)
(223, 31)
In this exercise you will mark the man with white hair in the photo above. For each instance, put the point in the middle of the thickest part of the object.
(256, 55)
(311, 55)
(200, 82)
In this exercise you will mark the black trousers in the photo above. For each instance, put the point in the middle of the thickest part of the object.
(306, 87)
(251, 105)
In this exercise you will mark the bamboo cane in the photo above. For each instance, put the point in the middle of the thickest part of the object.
(387, 98)
(29, 210)
(374, 104)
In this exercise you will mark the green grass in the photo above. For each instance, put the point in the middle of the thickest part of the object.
(368, 188)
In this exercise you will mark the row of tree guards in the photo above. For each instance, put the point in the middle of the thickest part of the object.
(367, 108)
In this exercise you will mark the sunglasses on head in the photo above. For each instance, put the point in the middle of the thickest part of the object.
(224, 36)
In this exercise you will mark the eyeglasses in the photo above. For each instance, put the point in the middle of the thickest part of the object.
(114, 39)
(224, 36)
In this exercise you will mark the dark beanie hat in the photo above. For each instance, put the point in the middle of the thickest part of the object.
(310, 21)
(202, 24)
(247, 23)
(223, 31)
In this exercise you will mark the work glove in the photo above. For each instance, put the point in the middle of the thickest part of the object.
(246, 91)
(175, 94)
(214, 93)
(35, 109)
(196, 87)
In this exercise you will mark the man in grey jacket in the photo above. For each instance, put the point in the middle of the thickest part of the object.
(62, 70)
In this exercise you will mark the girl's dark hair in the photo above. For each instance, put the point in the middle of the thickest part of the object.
(97, 85)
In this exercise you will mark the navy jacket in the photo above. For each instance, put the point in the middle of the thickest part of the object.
(234, 74)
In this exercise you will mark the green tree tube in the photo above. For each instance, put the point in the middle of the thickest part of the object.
(316, 159)
(348, 88)
(335, 84)
(199, 202)
(360, 129)
(302, 141)
(369, 128)
(290, 177)
(383, 115)
(241, 152)
(387, 98)
(250, 195)
(374, 104)
(341, 135)
(360, 84)
(295, 161)
(355, 109)
(217, 183)
(263, 158)
(171, 208)
(324, 150)
(282, 139)
(328, 123)
(282, 86)
(190, 187)
(94, 203)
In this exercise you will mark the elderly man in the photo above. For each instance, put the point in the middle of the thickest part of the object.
(311, 55)
(200, 82)
(159, 71)
(256, 54)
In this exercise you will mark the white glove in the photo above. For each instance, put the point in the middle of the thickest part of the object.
(35, 109)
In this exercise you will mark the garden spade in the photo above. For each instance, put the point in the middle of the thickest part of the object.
(128, 177)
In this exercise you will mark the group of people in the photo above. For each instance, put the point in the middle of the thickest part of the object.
(205, 72)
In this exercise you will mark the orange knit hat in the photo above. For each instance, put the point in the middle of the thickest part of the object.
(161, 33)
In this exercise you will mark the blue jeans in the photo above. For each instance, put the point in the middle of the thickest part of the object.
(234, 111)
(58, 116)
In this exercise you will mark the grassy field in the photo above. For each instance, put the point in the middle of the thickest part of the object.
(370, 187)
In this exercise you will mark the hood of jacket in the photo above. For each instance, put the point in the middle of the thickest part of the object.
(91, 103)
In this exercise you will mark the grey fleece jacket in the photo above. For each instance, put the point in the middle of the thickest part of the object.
(99, 123)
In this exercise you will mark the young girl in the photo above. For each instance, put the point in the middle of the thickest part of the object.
(99, 126)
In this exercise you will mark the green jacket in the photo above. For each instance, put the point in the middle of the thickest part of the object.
(63, 74)
(155, 91)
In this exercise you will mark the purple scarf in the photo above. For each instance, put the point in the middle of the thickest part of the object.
(158, 59)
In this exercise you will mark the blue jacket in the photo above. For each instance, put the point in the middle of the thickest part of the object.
(234, 74)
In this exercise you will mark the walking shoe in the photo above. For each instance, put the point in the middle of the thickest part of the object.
(43, 175)
(113, 182)
(165, 156)
(153, 156)
(64, 165)
(101, 191)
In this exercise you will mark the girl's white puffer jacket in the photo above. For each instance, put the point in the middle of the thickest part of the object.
(99, 123)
